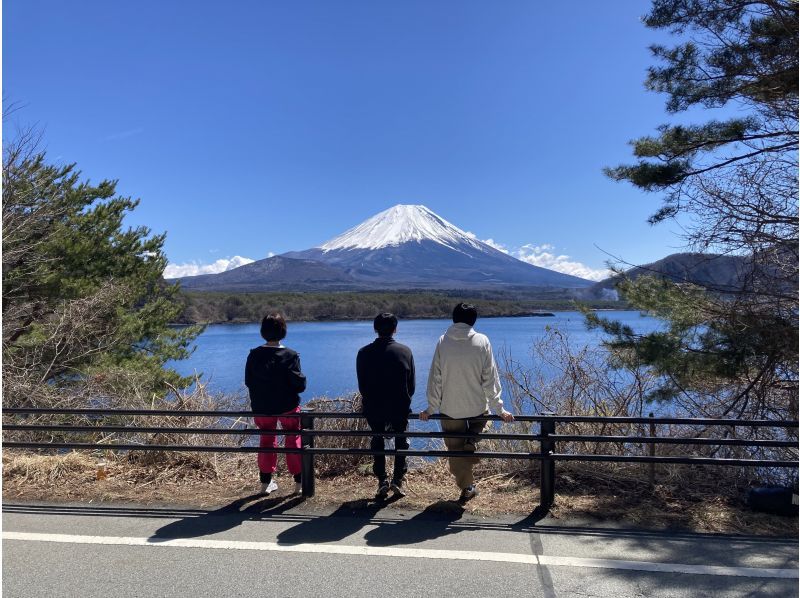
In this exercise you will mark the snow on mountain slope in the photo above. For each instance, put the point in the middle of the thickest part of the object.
(404, 247)
(408, 246)
(402, 224)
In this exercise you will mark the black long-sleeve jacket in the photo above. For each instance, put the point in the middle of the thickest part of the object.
(386, 378)
(274, 379)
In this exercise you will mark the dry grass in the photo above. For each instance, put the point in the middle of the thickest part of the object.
(571, 383)
(206, 482)
(690, 498)
(332, 465)
(46, 470)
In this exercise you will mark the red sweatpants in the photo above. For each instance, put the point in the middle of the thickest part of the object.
(267, 462)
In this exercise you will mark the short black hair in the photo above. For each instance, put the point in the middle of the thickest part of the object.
(385, 324)
(273, 327)
(465, 313)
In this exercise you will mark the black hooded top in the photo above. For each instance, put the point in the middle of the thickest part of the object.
(274, 379)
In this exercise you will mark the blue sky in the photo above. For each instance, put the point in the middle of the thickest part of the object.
(252, 128)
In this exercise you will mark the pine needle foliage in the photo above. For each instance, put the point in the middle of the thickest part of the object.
(83, 295)
(733, 183)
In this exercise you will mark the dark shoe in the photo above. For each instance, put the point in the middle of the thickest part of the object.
(468, 493)
(471, 445)
(383, 490)
(397, 488)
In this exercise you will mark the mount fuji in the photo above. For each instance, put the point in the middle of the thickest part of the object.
(404, 247)
(409, 245)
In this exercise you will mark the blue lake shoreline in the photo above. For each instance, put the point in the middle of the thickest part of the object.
(551, 313)
(328, 349)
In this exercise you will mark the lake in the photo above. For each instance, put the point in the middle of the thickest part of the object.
(328, 349)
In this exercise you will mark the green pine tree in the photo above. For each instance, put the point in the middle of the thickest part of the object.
(84, 301)
(732, 182)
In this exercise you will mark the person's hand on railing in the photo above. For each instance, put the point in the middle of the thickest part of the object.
(423, 416)
(506, 416)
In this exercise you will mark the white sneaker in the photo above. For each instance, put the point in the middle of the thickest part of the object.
(269, 488)
(298, 488)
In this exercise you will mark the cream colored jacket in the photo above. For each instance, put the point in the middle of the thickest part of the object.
(463, 381)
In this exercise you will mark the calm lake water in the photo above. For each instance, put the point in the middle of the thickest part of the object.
(328, 349)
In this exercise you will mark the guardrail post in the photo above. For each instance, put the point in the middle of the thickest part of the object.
(548, 465)
(307, 459)
(651, 477)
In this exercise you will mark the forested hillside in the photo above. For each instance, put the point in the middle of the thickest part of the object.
(251, 307)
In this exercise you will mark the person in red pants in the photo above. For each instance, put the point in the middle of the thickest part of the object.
(274, 379)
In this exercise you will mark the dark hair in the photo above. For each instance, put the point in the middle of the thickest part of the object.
(385, 324)
(273, 327)
(465, 313)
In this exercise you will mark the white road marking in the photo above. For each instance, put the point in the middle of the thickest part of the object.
(420, 553)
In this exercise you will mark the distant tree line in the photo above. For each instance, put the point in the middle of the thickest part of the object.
(209, 307)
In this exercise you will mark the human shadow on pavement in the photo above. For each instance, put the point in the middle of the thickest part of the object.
(434, 522)
(346, 520)
(226, 517)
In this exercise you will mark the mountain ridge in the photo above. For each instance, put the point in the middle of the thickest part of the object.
(718, 273)
(403, 247)
(276, 273)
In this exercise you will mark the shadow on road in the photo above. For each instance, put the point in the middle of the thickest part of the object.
(531, 520)
(446, 519)
(434, 522)
(227, 517)
(346, 520)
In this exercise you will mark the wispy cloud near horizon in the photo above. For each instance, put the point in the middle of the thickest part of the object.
(125, 134)
(544, 256)
(196, 268)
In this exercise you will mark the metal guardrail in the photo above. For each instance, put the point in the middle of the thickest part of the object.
(547, 439)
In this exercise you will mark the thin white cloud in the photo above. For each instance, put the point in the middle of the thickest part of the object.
(125, 134)
(496, 245)
(544, 256)
(195, 268)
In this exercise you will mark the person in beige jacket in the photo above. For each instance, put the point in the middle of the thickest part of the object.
(462, 384)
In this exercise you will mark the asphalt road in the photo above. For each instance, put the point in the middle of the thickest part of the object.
(279, 546)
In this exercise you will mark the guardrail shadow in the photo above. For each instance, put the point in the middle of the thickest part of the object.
(227, 517)
(346, 520)
(444, 518)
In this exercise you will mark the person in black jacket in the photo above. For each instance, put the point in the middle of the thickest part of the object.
(385, 371)
(273, 377)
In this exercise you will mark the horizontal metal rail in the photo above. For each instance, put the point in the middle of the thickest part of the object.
(688, 421)
(407, 452)
(765, 443)
(547, 439)
(677, 460)
(675, 440)
(255, 449)
(258, 431)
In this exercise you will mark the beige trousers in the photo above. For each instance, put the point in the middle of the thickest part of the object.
(461, 467)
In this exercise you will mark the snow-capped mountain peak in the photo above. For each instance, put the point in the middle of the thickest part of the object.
(404, 247)
(402, 224)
